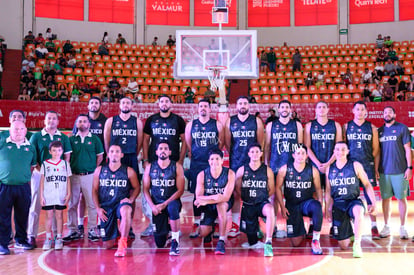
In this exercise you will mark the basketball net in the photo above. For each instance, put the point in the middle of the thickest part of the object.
(216, 76)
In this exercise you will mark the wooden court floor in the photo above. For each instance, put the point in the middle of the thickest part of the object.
(385, 256)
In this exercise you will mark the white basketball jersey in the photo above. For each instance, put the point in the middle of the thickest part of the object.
(56, 180)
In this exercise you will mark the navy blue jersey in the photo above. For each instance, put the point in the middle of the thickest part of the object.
(124, 134)
(114, 186)
(344, 182)
(283, 141)
(163, 181)
(214, 186)
(243, 133)
(392, 140)
(359, 140)
(323, 139)
(298, 186)
(254, 185)
(204, 138)
(96, 128)
(169, 128)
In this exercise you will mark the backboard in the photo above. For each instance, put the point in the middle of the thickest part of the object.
(196, 50)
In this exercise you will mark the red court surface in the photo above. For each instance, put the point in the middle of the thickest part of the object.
(389, 255)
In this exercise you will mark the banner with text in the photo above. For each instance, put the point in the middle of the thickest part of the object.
(371, 11)
(316, 12)
(269, 13)
(168, 12)
(112, 11)
(406, 10)
(202, 13)
(340, 112)
(59, 9)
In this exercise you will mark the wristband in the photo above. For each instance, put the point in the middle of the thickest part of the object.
(144, 160)
(410, 167)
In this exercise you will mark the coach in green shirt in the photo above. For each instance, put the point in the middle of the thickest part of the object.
(86, 156)
(41, 141)
(17, 159)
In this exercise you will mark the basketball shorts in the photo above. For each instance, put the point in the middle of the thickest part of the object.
(209, 212)
(131, 160)
(109, 229)
(294, 224)
(249, 219)
(191, 175)
(341, 218)
(160, 221)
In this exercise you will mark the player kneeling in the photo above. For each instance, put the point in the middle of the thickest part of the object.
(342, 197)
(255, 183)
(300, 181)
(214, 191)
(115, 188)
(163, 186)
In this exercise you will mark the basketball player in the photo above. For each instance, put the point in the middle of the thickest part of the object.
(342, 191)
(163, 186)
(202, 135)
(115, 188)
(299, 181)
(320, 136)
(395, 169)
(282, 138)
(241, 131)
(214, 191)
(164, 125)
(255, 183)
(362, 139)
(125, 130)
(41, 141)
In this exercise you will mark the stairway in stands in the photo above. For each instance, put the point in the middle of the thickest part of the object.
(239, 87)
(11, 74)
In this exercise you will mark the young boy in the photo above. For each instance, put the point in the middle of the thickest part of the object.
(54, 192)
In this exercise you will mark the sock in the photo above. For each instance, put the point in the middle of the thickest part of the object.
(316, 235)
(310, 222)
(58, 236)
(80, 220)
(197, 221)
(175, 235)
(402, 227)
(357, 240)
(269, 240)
(48, 236)
(373, 224)
(222, 238)
(235, 217)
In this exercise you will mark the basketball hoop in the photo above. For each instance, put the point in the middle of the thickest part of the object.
(216, 76)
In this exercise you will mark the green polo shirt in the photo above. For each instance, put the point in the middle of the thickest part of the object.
(41, 141)
(85, 152)
(16, 162)
(6, 133)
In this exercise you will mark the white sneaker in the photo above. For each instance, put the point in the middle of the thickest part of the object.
(59, 244)
(258, 245)
(280, 234)
(48, 244)
(385, 232)
(403, 234)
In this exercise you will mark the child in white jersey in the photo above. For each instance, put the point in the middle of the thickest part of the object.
(54, 192)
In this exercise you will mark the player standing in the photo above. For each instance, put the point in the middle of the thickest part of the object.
(241, 131)
(202, 135)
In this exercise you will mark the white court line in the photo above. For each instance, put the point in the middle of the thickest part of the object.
(315, 265)
(44, 266)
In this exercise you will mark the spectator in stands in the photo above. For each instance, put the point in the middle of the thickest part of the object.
(40, 89)
(52, 93)
(210, 95)
(189, 95)
(58, 68)
(50, 80)
(48, 34)
(170, 41)
(320, 79)
(41, 51)
(114, 89)
(29, 38)
(30, 88)
(379, 69)
(27, 78)
(389, 68)
(48, 70)
(28, 62)
(23, 95)
(393, 82)
(82, 85)
(37, 74)
(402, 89)
(94, 85)
(50, 46)
(138, 98)
(62, 93)
(103, 49)
(120, 39)
(377, 93)
(388, 93)
(379, 42)
(366, 77)
(271, 60)
(155, 41)
(68, 48)
(347, 77)
(75, 94)
(106, 96)
(411, 84)
(388, 43)
(366, 94)
(376, 79)
(252, 100)
(90, 64)
(105, 38)
(39, 39)
(133, 86)
(392, 54)
(382, 55)
(263, 62)
(399, 68)
(71, 63)
(309, 80)
(61, 60)
(297, 61)
(272, 116)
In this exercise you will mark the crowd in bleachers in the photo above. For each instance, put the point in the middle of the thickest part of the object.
(58, 70)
